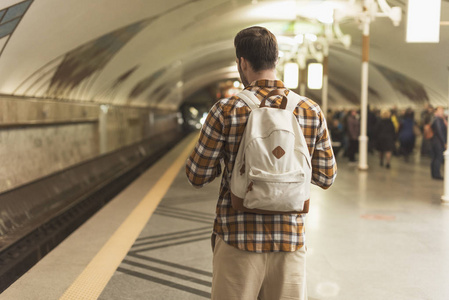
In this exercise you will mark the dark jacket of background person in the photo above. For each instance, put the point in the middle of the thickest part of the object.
(407, 134)
(337, 134)
(438, 142)
(353, 130)
(426, 118)
(385, 135)
(371, 125)
(439, 131)
(353, 127)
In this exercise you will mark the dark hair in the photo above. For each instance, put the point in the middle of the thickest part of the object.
(257, 45)
(409, 114)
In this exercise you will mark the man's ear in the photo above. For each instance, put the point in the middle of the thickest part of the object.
(244, 64)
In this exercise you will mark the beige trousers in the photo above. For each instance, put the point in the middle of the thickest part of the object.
(242, 275)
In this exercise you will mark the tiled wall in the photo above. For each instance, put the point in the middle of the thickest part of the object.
(32, 152)
(40, 137)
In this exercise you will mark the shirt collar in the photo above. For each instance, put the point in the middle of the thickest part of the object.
(266, 83)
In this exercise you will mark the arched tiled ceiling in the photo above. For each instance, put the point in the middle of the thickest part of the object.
(156, 53)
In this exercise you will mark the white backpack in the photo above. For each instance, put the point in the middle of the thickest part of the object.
(272, 170)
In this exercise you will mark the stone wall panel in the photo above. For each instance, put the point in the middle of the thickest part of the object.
(39, 137)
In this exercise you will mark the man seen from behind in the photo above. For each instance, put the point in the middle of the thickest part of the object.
(256, 256)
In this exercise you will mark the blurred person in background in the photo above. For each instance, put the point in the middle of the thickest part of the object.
(385, 136)
(438, 142)
(407, 134)
(394, 115)
(353, 132)
(426, 118)
(372, 120)
(337, 134)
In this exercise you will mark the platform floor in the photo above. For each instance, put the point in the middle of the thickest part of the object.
(376, 234)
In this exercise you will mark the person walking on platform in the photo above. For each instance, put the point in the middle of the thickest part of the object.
(438, 142)
(256, 255)
(337, 136)
(385, 136)
(353, 130)
(371, 124)
(407, 134)
(426, 117)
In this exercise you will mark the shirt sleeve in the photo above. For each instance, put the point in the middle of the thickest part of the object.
(324, 166)
(203, 165)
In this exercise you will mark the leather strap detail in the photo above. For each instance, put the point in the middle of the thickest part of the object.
(237, 204)
(242, 169)
(276, 92)
(250, 187)
(278, 152)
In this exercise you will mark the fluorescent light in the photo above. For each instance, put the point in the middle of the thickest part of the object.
(291, 75)
(203, 118)
(193, 111)
(299, 39)
(275, 10)
(326, 13)
(104, 108)
(311, 37)
(423, 21)
(315, 76)
(326, 19)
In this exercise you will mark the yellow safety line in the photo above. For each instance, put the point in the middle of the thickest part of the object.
(91, 282)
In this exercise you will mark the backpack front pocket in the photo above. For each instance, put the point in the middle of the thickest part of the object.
(276, 192)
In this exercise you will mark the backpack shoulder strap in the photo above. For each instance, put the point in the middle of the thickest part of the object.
(253, 102)
(249, 98)
(293, 100)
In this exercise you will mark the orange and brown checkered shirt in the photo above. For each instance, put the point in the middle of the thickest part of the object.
(219, 141)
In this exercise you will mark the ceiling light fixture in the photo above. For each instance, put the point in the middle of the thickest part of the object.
(315, 76)
(291, 75)
(423, 21)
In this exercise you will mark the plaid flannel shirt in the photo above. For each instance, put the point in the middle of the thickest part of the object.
(219, 142)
